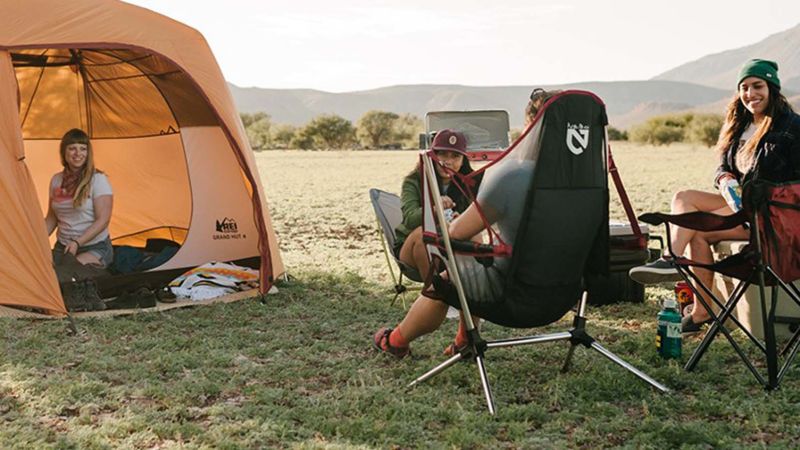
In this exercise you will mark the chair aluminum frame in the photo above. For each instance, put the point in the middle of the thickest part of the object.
(399, 287)
(477, 347)
(769, 347)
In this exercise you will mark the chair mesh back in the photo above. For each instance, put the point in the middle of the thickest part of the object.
(553, 183)
(564, 231)
(388, 211)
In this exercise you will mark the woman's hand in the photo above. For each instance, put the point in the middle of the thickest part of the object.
(447, 202)
(71, 247)
(725, 176)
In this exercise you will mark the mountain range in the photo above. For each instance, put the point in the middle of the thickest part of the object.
(703, 85)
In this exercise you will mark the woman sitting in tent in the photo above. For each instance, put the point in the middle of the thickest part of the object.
(451, 149)
(80, 204)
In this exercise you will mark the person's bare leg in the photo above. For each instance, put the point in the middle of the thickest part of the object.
(413, 252)
(89, 259)
(700, 248)
(690, 201)
(425, 316)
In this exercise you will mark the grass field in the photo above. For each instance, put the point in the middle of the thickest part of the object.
(299, 371)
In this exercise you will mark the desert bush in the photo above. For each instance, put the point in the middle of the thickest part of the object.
(704, 129)
(407, 130)
(282, 136)
(303, 139)
(376, 129)
(615, 134)
(330, 131)
(661, 130)
(257, 126)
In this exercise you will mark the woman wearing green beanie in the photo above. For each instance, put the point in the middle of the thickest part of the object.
(761, 134)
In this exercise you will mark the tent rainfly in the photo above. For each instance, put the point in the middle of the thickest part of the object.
(164, 129)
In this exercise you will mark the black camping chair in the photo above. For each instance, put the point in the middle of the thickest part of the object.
(771, 259)
(562, 236)
(387, 210)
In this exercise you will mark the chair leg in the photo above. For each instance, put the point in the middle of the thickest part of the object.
(627, 366)
(576, 336)
(436, 370)
(487, 390)
(399, 288)
(770, 340)
(714, 330)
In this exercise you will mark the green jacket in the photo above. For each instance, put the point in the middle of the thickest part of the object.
(411, 205)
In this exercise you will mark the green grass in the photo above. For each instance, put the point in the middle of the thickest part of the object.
(299, 371)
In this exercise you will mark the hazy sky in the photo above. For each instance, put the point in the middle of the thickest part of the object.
(348, 45)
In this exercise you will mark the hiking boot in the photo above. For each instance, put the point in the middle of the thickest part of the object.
(381, 343)
(74, 294)
(165, 295)
(146, 297)
(92, 297)
(658, 271)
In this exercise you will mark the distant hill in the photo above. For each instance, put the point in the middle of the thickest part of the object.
(622, 98)
(720, 69)
(704, 85)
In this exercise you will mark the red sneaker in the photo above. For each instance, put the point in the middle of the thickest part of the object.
(381, 343)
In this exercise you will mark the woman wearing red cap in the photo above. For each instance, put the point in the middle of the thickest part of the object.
(761, 134)
(451, 149)
(483, 281)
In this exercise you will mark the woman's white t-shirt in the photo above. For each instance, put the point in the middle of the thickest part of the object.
(72, 221)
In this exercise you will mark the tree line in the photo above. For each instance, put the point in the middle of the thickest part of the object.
(662, 130)
(388, 130)
(374, 130)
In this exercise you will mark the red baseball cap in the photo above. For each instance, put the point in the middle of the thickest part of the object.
(450, 140)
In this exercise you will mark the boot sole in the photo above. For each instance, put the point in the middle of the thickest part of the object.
(654, 276)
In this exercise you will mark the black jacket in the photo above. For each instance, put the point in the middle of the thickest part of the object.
(777, 154)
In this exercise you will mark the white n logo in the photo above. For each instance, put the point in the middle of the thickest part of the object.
(577, 134)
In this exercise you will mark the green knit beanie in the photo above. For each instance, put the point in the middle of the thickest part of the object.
(761, 68)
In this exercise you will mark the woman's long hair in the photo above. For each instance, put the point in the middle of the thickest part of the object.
(80, 187)
(456, 194)
(538, 98)
(738, 118)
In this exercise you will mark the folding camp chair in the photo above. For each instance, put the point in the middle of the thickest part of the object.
(771, 259)
(556, 173)
(387, 210)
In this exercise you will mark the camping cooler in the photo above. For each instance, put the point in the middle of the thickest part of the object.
(748, 310)
(627, 251)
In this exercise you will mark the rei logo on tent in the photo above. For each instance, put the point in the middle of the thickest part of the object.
(227, 225)
(227, 229)
(577, 137)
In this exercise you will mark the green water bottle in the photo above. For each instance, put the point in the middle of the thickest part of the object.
(668, 340)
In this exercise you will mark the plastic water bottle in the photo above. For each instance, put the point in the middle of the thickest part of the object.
(732, 193)
(668, 340)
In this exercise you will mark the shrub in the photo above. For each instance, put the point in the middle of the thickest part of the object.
(661, 130)
(617, 135)
(704, 129)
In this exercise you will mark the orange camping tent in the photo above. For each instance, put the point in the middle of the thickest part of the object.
(164, 128)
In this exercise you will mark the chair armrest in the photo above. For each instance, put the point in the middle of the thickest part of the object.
(474, 248)
(697, 220)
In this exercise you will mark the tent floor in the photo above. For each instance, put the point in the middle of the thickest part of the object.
(180, 303)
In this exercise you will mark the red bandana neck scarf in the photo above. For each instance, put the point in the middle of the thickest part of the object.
(70, 180)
